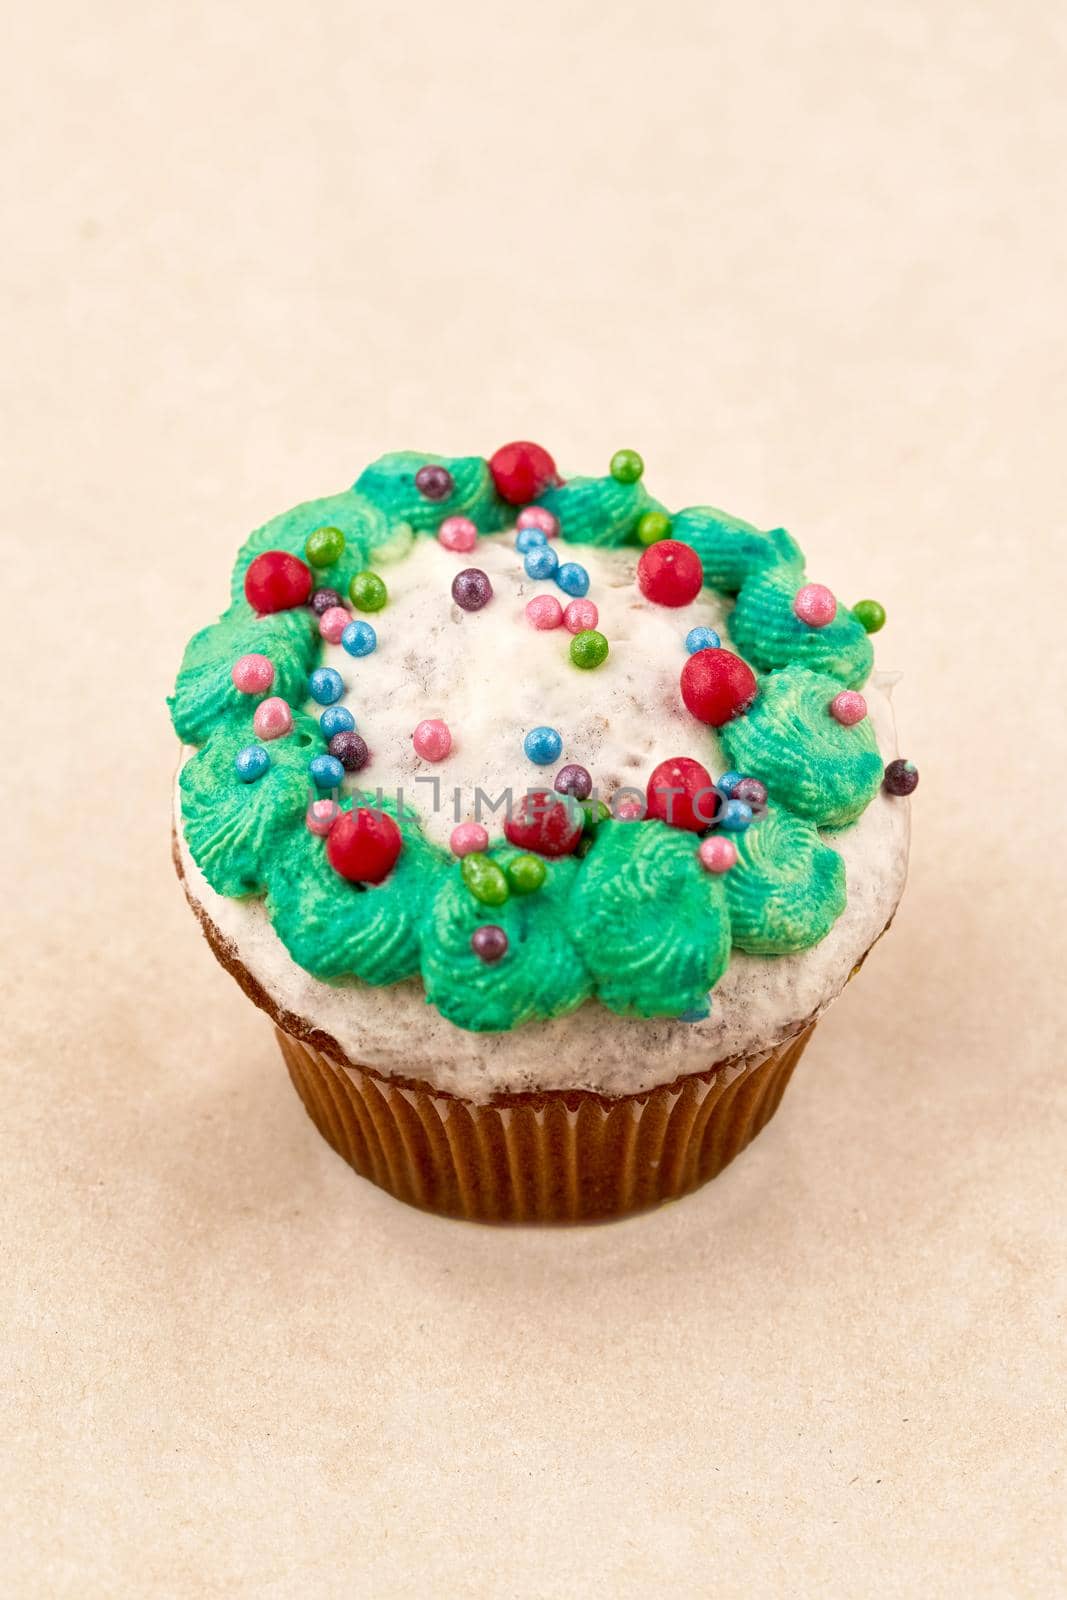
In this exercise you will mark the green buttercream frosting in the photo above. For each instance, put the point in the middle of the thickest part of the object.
(364, 526)
(730, 550)
(204, 695)
(389, 483)
(599, 511)
(542, 974)
(241, 833)
(635, 921)
(769, 634)
(787, 889)
(808, 760)
(651, 925)
(334, 928)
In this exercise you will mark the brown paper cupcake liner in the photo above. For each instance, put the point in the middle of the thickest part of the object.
(560, 1156)
(556, 1156)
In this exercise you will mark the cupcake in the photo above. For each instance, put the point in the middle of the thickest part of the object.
(544, 823)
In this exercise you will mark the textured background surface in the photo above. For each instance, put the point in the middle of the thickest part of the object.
(811, 263)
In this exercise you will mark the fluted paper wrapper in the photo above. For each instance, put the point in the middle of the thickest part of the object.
(560, 1156)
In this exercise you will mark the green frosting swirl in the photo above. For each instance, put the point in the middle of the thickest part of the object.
(599, 511)
(241, 833)
(204, 695)
(808, 760)
(730, 550)
(364, 526)
(389, 483)
(769, 634)
(651, 925)
(787, 889)
(334, 928)
(541, 975)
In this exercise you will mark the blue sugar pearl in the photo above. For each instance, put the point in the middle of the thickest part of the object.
(541, 561)
(543, 746)
(728, 783)
(325, 685)
(251, 763)
(735, 816)
(326, 772)
(573, 579)
(702, 639)
(359, 639)
(528, 537)
(336, 719)
(696, 1013)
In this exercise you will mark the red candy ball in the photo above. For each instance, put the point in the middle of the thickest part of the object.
(363, 845)
(717, 686)
(682, 794)
(522, 471)
(277, 581)
(549, 823)
(669, 573)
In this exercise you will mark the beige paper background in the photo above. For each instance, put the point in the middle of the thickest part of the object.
(811, 261)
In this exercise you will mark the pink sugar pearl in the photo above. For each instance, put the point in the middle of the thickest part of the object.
(580, 615)
(467, 838)
(848, 707)
(544, 611)
(321, 816)
(432, 739)
(273, 718)
(628, 811)
(717, 853)
(539, 517)
(253, 674)
(458, 533)
(815, 605)
(333, 623)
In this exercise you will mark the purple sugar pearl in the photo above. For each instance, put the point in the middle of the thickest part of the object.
(350, 748)
(751, 791)
(489, 942)
(471, 589)
(575, 780)
(324, 600)
(433, 482)
(901, 778)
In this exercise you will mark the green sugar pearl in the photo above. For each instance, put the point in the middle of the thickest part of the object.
(484, 879)
(589, 648)
(869, 614)
(525, 874)
(654, 526)
(594, 812)
(626, 466)
(368, 592)
(324, 547)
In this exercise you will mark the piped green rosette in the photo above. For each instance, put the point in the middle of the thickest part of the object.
(810, 764)
(373, 932)
(650, 924)
(389, 485)
(787, 889)
(240, 834)
(378, 517)
(769, 634)
(205, 699)
(542, 975)
(365, 526)
(599, 511)
(636, 921)
(732, 552)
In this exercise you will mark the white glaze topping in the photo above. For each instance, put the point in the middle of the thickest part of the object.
(492, 677)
